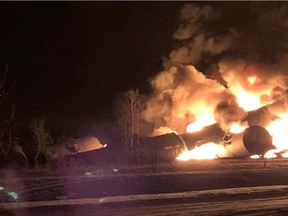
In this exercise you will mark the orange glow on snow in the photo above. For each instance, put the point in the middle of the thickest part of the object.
(255, 157)
(207, 151)
(269, 154)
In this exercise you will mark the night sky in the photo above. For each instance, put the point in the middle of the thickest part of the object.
(69, 61)
(72, 59)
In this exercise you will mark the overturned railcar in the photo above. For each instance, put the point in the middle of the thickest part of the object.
(77, 147)
(211, 133)
(255, 140)
(165, 147)
(265, 115)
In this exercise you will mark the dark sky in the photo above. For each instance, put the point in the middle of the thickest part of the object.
(73, 58)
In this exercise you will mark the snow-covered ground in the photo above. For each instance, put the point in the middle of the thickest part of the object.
(261, 200)
(228, 187)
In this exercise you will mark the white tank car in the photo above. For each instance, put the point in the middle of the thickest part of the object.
(87, 143)
(254, 140)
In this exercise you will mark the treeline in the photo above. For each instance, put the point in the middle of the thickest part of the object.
(33, 145)
(30, 148)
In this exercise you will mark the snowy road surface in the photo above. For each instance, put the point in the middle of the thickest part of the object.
(218, 187)
(263, 200)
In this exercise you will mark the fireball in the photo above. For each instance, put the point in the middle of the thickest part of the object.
(278, 130)
(252, 80)
(203, 120)
(236, 128)
(203, 152)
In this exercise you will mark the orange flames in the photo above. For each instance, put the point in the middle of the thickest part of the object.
(236, 128)
(252, 80)
(250, 96)
(248, 100)
(202, 120)
(210, 150)
(204, 152)
(278, 131)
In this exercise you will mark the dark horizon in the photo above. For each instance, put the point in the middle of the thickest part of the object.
(72, 59)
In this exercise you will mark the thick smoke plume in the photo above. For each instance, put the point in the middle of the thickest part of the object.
(181, 94)
(229, 42)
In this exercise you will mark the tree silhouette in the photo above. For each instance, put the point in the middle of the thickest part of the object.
(41, 137)
(128, 108)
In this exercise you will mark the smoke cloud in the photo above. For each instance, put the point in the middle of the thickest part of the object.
(180, 95)
(231, 42)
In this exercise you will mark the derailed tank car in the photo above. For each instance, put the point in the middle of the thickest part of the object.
(165, 148)
(211, 133)
(255, 140)
(79, 148)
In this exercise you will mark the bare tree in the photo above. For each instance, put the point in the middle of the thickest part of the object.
(41, 136)
(8, 141)
(128, 108)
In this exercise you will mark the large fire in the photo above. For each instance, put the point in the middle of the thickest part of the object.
(236, 128)
(252, 80)
(249, 101)
(249, 95)
(204, 152)
(205, 119)
(278, 130)
(245, 75)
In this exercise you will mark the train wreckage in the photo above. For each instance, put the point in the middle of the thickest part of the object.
(253, 140)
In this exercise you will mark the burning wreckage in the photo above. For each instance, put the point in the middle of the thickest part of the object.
(195, 117)
(238, 106)
(252, 140)
(226, 121)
